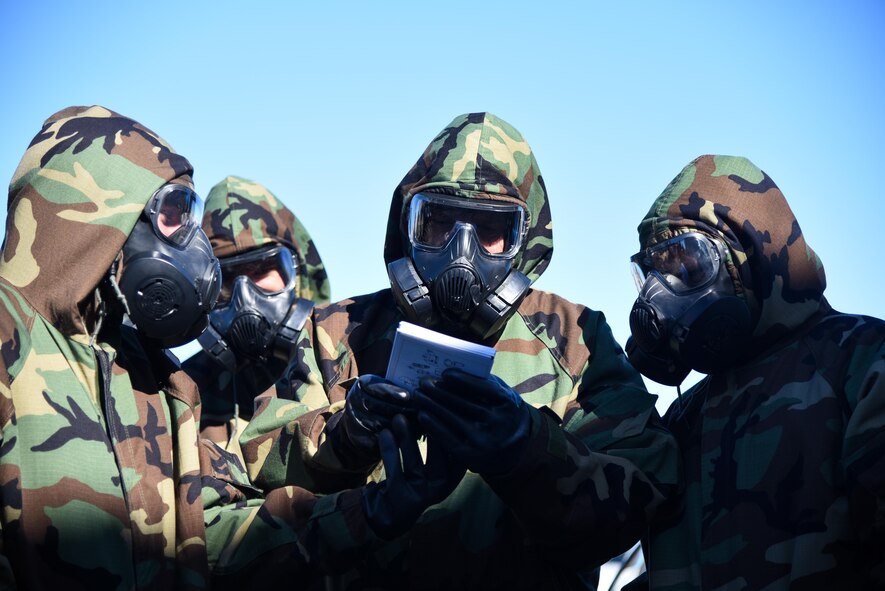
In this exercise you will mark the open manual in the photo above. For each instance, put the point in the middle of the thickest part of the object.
(419, 352)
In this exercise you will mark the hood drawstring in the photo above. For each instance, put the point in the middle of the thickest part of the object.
(112, 278)
(102, 304)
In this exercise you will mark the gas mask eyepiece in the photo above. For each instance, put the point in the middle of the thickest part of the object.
(170, 277)
(687, 315)
(498, 226)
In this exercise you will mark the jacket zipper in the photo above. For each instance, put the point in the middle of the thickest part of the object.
(115, 432)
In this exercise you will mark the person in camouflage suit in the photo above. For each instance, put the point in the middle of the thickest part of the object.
(592, 462)
(783, 442)
(243, 217)
(104, 483)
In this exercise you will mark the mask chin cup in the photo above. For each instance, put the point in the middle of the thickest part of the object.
(658, 368)
(717, 336)
(411, 294)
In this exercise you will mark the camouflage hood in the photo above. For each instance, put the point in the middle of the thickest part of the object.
(242, 215)
(478, 156)
(778, 274)
(73, 201)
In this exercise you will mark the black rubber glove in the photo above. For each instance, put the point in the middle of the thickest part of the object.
(393, 505)
(480, 421)
(370, 405)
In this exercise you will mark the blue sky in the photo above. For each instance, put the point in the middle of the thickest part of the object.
(329, 104)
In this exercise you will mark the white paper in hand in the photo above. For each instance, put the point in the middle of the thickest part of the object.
(418, 352)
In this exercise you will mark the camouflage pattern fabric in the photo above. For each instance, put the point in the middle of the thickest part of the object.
(240, 216)
(784, 455)
(102, 479)
(598, 463)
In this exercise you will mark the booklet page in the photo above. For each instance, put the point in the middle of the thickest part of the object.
(418, 352)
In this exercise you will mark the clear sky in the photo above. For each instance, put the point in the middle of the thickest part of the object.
(329, 104)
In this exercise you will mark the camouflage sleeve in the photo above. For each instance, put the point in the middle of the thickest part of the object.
(7, 578)
(290, 535)
(586, 487)
(285, 441)
(216, 388)
(863, 452)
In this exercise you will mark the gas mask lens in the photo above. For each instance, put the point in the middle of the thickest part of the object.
(271, 270)
(175, 212)
(684, 263)
(434, 219)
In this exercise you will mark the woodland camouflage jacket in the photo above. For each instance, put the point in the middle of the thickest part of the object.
(598, 463)
(103, 482)
(240, 216)
(784, 455)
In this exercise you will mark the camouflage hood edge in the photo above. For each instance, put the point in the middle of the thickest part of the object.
(778, 274)
(242, 215)
(478, 156)
(73, 201)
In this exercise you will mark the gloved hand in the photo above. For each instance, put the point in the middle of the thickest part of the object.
(393, 505)
(370, 405)
(480, 421)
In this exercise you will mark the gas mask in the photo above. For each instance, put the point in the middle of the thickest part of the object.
(258, 316)
(170, 278)
(459, 274)
(687, 315)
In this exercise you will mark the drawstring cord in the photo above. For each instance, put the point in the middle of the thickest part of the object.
(112, 278)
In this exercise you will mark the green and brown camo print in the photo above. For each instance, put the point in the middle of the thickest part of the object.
(598, 463)
(88, 493)
(104, 483)
(778, 274)
(784, 454)
(242, 215)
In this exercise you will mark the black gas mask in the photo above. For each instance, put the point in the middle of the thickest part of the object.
(170, 278)
(687, 315)
(459, 274)
(258, 316)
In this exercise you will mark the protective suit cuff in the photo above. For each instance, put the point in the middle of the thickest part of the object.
(343, 527)
(546, 443)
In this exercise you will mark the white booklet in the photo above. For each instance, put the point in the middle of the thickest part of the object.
(419, 352)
